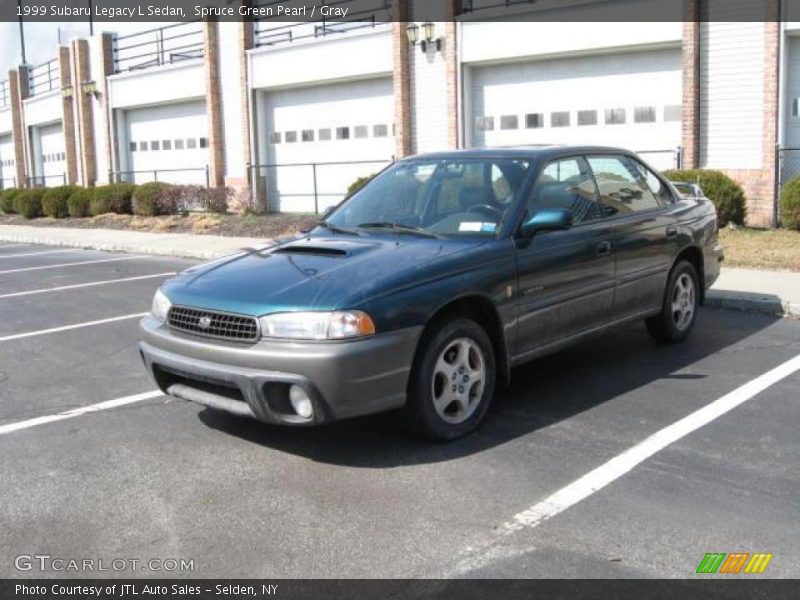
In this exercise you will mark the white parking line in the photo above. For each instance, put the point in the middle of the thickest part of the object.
(3, 256)
(75, 264)
(84, 285)
(13, 245)
(607, 473)
(76, 412)
(18, 336)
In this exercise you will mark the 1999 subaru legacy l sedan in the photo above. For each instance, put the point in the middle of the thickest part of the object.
(424, 288)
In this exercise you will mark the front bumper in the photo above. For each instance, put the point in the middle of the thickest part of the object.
(343, 379)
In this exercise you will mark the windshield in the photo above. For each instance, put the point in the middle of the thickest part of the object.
(453, 196)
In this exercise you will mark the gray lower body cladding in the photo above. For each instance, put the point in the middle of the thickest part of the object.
(342, 379)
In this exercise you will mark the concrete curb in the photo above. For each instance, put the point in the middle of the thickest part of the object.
(127, 248)
(750, 302)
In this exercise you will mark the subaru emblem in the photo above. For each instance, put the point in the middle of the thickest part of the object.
(204, 323)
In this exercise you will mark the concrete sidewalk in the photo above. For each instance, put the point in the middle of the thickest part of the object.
(771, 292)
(185, 245)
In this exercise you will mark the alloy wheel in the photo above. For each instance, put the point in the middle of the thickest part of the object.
(459, 378)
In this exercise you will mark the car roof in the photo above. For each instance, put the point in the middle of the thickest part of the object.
(532, 152)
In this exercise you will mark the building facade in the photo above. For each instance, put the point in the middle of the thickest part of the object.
(297, 111)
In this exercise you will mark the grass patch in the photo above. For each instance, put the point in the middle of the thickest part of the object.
(772, 249)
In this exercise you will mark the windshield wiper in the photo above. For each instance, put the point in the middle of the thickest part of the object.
(336, 228)
(399, 227)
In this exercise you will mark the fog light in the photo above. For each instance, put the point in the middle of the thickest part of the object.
(301, 403)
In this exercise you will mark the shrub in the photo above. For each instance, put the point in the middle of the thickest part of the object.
(727, 195)
(54, 201)
(243, 202)
(790, 204)
(216, 200)
(146, 199)
(113, 198)
(7, 200)
(358, 184)
(28, 203)
(80, 201)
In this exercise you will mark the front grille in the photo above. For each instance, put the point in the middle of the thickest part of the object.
(213, 324)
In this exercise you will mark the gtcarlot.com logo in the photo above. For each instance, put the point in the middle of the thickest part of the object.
(46, 562)
(735, 562)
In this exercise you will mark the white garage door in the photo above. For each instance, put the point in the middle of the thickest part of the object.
(167, 143)
(345, 123)
(790, 163)
(632, 100)
(51, 164)
(7, 162)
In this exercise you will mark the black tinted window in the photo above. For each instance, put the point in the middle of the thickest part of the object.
(567, 184)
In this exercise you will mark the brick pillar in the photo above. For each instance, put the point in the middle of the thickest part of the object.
(216, 161)
(68, 112)
(401, 79)
(80, 49)
(768, 213)
(690, 138)
(19, 90)
(451, 59)
(246, 42)
(110, 145)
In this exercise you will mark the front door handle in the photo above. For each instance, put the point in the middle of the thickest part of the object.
(604, 248)
(672, 232)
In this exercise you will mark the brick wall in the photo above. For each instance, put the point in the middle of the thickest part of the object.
(213, 104)
(18, 90)
(401, 79)
(88, 163)
(68, 113)
(690, 138)
(451, 66)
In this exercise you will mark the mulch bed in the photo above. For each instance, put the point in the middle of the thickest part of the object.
(261, 226)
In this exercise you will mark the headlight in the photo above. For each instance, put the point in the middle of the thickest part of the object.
(337, 325)
(161, 306)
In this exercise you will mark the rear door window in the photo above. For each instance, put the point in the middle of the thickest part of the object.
(622, 185)
(567, 183)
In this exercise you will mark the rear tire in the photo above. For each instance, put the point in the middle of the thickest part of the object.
(452, 382)
(679, 309)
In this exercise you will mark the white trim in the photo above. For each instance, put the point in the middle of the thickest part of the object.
(75, 264)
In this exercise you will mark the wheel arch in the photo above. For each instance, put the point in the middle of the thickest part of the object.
(694, 256)
(483, 311)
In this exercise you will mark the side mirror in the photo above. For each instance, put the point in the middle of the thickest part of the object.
(547, 219)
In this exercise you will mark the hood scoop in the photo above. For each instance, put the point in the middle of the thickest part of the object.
(312, 250)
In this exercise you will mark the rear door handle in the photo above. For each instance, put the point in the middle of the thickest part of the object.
(604, 248)
(672, 232)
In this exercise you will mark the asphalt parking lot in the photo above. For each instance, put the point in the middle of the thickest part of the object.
(155, 478)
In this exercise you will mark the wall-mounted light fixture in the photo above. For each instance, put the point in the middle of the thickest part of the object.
(90, 89)
(428, 32)
(67, 91)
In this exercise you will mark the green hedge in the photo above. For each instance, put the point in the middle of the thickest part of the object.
(7, 200)
(358, 184)
(79, 203)
(54, 201)
(727, 195)
(113, 198)
(28, 203)
(790, 205)
(146, 199)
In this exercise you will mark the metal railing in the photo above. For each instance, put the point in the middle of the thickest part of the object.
(5, 98)
(41, 180)
(663, 160)
(166, 176)
(44, 77)
(303, 187)
(363, 14)
(468, 6)
(156, 47)
(4, 183)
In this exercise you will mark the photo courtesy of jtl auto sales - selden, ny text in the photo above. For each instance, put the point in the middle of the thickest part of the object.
(400, 299)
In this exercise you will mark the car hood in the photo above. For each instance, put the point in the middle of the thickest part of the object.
(317, 272)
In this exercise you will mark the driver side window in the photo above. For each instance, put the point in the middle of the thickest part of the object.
(567, 184)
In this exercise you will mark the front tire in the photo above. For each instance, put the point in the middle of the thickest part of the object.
(679, 310)
(452, 382)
